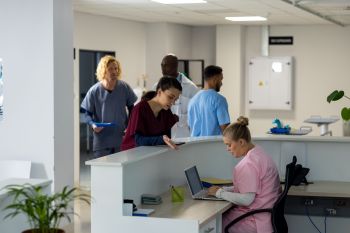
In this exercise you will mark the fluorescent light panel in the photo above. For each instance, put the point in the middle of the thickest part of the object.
(179, 1)
(246, 18)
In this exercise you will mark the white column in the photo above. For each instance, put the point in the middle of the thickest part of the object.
(230, 48)
(36, 48)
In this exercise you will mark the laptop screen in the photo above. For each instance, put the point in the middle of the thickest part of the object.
(193, 180)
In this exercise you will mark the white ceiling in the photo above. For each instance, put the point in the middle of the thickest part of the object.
(278, 12)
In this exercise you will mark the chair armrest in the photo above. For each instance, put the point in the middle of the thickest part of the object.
(269, 210)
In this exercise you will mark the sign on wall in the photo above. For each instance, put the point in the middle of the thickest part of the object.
(1, 92)
(281, 40)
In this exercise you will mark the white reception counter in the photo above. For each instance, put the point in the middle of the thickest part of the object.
(128, 174)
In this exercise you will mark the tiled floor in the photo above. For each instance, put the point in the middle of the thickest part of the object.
(84, 170)
(82, 222)
(85, 154)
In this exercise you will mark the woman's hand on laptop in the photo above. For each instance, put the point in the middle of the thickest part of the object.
(212, 190)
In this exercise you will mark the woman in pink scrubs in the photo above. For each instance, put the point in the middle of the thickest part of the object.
(255, 179)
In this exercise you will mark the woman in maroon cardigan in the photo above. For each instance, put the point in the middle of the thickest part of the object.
(151, 120)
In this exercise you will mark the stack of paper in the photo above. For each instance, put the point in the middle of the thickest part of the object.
(150, 199)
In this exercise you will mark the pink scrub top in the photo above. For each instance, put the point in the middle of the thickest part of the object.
(256, 173)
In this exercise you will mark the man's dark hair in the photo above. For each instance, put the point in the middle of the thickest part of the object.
(169, 65)
(211, 71)
(169, 59)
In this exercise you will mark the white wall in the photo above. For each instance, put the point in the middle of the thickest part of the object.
(156, 48)
(33, 107)
(140, 48)
(204, 44)
(179, 38)
(186, 42)
(63, 93)
(127, 38)
(164, 38)
(322, 55)
(230, 56)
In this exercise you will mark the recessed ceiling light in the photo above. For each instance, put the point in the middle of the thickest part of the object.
(246, 18)
(179, 1)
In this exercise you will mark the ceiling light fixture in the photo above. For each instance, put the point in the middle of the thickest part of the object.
(246, 18)
(179, 1)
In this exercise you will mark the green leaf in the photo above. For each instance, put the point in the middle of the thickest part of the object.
(43, 211)
(345, 114)
(335, 95)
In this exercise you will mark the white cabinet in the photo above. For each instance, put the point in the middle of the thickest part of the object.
(270, 83)
(210, 227)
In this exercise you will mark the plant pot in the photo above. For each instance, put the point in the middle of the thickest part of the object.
(39, 231)
(346, 128)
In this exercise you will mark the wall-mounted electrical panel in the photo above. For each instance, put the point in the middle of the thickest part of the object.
(270, 83)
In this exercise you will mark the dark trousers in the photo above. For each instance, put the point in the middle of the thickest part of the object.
(104, 152)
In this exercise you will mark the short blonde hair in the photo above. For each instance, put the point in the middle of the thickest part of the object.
(103, 64)
(238, 130)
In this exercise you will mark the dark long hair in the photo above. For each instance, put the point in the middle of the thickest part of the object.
(164, 83)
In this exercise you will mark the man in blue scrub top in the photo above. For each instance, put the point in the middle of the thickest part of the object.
(208, 110)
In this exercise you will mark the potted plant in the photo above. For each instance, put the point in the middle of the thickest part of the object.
(43, 211)
(345, 112)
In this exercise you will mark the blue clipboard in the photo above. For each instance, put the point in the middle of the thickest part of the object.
(101, 124)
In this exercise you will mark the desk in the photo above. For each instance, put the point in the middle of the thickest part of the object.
(205, 211)
(321, 198)
(19, 223)
(128, 174)
(322, 189)
(201, 210)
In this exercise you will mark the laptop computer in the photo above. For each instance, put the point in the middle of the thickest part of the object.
(196, 186)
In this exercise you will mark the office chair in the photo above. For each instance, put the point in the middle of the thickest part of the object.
(279, 223)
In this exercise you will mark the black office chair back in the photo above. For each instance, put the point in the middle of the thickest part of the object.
(279, 223)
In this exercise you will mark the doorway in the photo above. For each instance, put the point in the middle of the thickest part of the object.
(193, 69)
(88, 61)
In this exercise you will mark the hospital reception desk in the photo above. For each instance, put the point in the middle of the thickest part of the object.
(151, 170)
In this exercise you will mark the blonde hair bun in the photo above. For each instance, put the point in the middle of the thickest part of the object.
(243, 121)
